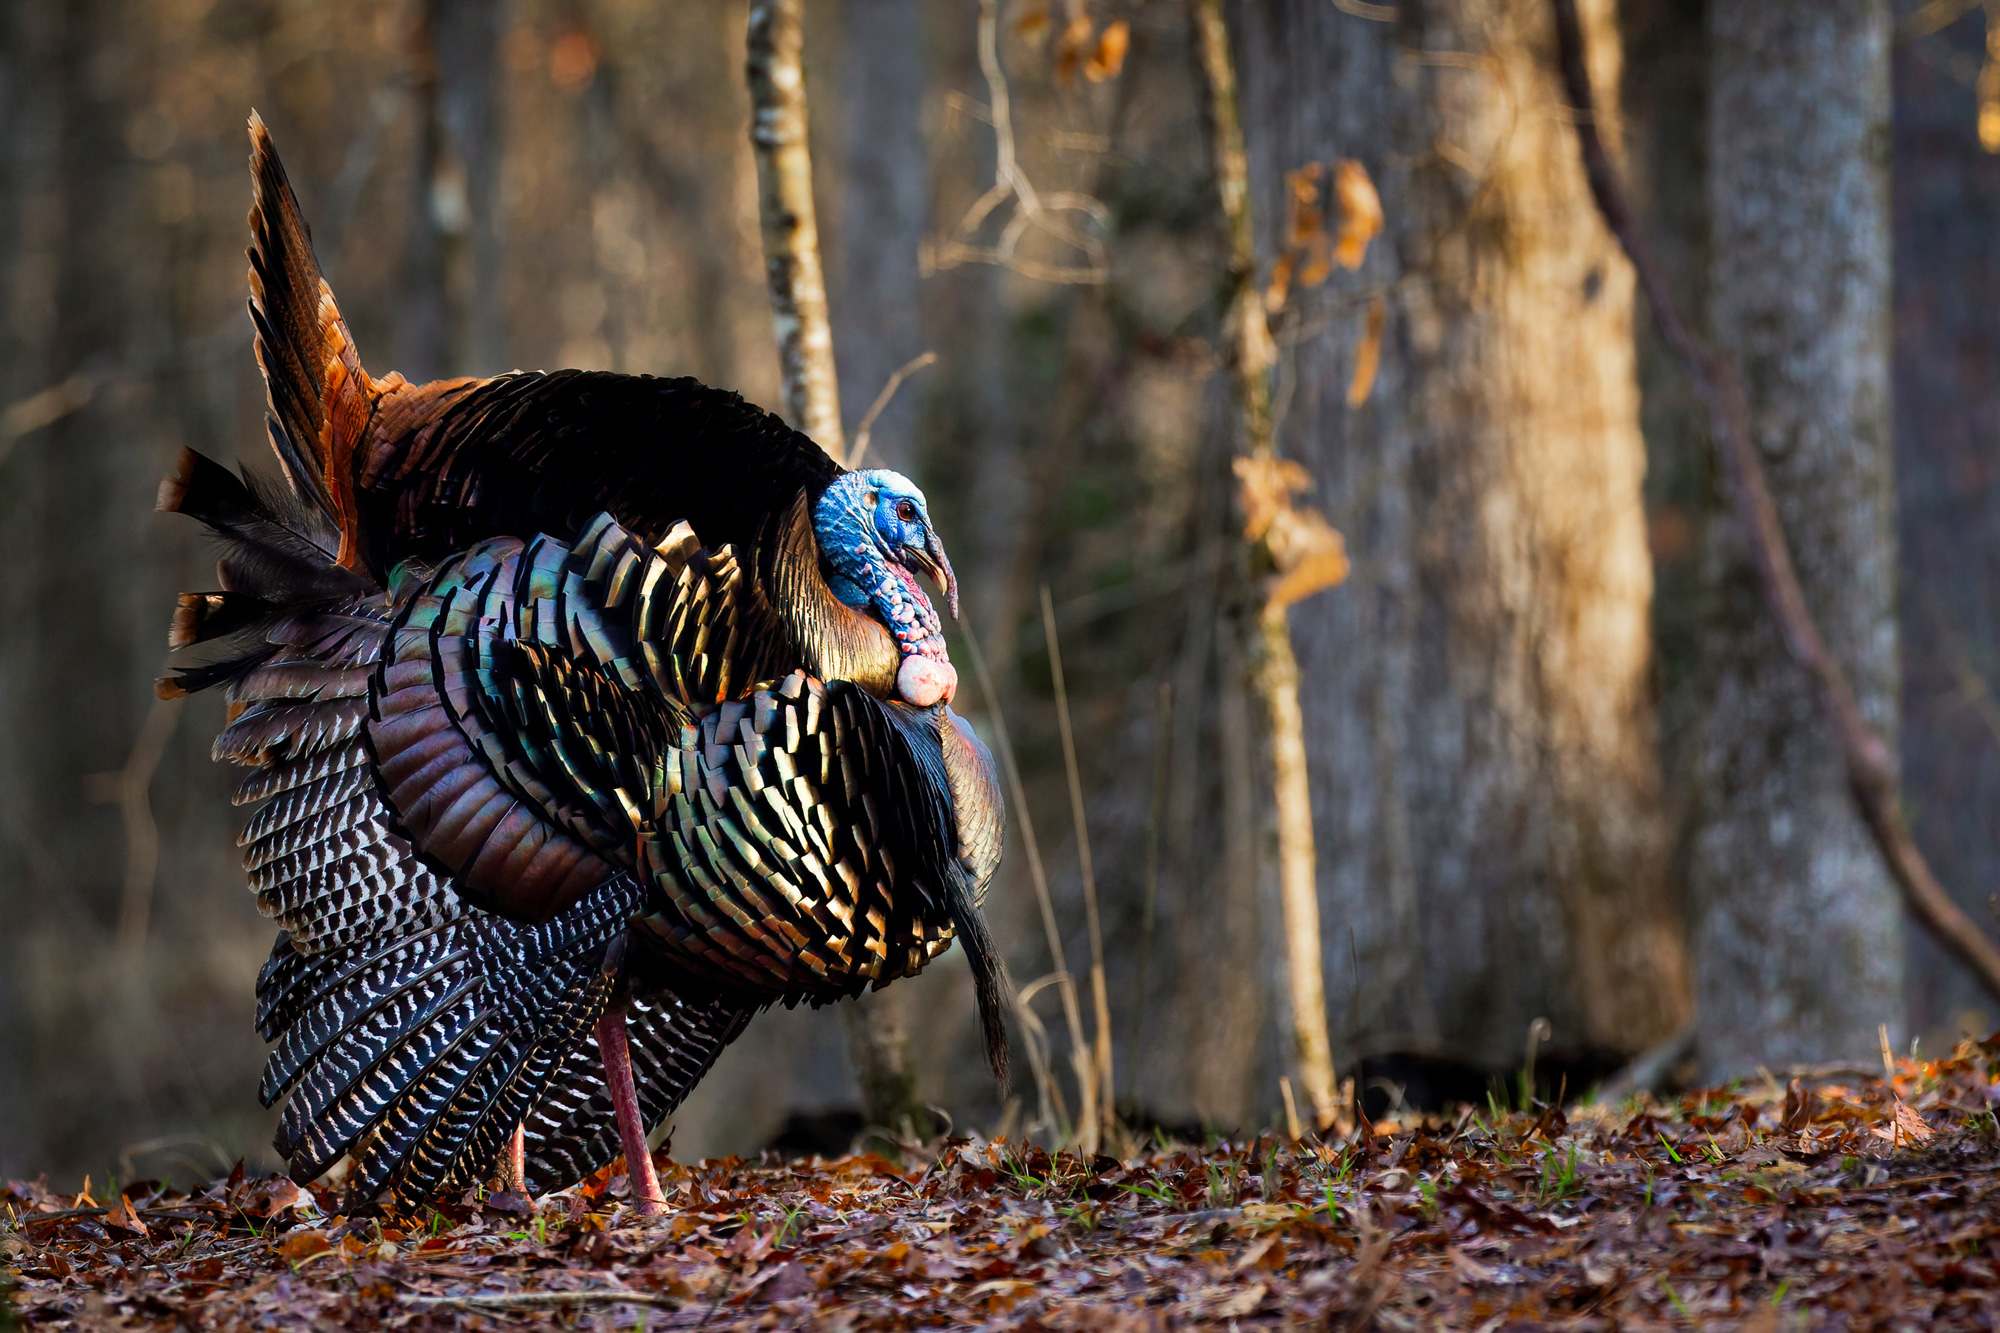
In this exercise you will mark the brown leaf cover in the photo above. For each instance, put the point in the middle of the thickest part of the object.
(1760, 1208)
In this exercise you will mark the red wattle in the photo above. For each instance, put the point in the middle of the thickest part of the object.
(923, 681)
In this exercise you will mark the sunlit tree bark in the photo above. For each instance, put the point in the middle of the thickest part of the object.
(1492, 846)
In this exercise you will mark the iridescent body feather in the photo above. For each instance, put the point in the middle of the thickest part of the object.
(569, 698)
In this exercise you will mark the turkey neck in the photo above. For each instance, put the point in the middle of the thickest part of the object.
(836, 641)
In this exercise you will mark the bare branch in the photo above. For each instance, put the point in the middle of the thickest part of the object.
(130, 788)
(44, 409)
(1033, 215)
(1100, 1070)
(866, 430)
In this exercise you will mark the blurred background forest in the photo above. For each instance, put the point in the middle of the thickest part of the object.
(1560, 767)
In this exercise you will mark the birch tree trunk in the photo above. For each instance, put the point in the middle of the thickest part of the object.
(1797, 929)
(1488, 810)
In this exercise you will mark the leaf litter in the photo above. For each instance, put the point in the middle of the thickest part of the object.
(1840, 1200)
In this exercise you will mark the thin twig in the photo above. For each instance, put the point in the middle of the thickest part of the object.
(1275, 668)
(1033, 211)
(1871, 773)
(1156, 813)
(131, 788)
(544, 1300)
(46, 408)
(1018, 796)
(866, 430)
(1100, 1000)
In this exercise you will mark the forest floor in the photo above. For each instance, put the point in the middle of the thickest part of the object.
(1839, 1201)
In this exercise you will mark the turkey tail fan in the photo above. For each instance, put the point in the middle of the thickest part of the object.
(419, 1053)
(321, 399)
(276, 554)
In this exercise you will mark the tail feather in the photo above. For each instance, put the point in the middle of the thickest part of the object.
(673, 1040)
(420, 1055)
(321, 399)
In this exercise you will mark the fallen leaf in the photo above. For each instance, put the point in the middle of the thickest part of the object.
(121, 1217)
(789, 1281)
(1470, 1268)
(1905, 1128)
(1798, 1108)
(302, 1245)
(271, 1196)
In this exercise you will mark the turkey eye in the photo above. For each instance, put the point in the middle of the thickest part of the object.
(906, 511)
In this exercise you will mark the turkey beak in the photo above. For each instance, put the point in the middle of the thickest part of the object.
(932, 560)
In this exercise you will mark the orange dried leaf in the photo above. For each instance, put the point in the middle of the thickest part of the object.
(1032, 24)
(1367, 354)
(1304, 218)
(573, 60)
(1281, 281)
(121, 1216)
(1360, 211)
(1319, 261)
(1310, 555)
(1072, 48)
(301, 1245)
(1109, 57)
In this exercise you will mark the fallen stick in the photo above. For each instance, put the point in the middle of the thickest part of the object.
(1871, 774)
(544, 1300)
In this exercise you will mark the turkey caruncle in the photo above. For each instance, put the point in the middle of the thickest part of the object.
(590, 714)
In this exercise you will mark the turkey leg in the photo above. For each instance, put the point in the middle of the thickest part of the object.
(625, 1102)
(517, 1161)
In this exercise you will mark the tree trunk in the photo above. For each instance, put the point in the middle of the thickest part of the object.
(1274, 665)
(1489, 817)
(1947, 413)
(1797, 931)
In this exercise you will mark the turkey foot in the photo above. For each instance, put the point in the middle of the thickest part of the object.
(625, 1102)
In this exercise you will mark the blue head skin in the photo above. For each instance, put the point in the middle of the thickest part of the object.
(874, 530)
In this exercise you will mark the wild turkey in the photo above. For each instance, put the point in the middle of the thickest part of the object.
(590, 714)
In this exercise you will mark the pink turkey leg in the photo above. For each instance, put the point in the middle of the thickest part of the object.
(517, 1161)
(625, 1101)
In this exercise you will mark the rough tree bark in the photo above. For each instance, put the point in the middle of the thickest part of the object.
(1487, 792)
(1797, 932)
